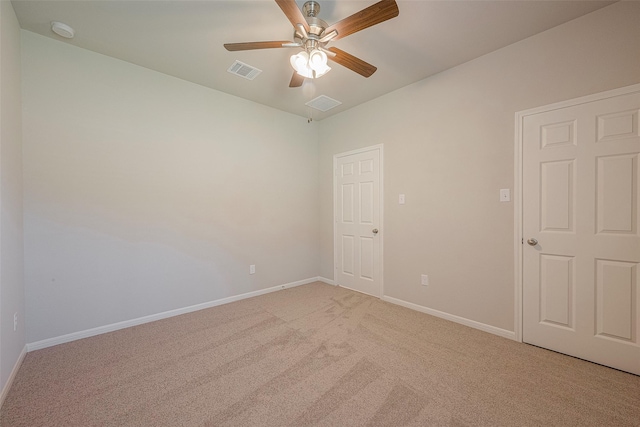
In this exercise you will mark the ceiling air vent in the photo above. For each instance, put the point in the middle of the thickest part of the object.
(323, 103)
(244, 70)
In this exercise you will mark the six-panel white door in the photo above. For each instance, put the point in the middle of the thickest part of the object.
(581, 199)
(357, 224)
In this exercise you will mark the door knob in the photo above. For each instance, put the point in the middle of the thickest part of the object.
(532, 241)
(374, 231)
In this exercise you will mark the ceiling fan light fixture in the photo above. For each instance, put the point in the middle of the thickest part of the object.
(311, 65)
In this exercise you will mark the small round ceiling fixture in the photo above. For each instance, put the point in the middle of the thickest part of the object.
(63, 30)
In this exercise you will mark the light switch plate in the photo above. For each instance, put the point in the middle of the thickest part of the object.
(505, 195)
(401, 199)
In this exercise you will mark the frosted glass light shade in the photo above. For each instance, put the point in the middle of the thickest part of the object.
(317, 60)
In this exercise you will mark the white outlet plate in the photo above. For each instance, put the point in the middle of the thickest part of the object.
(424, 279)
(15, 322)
(401, 199)
(505, 195)
(252, 269)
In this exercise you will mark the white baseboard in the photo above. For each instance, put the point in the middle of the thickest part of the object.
(327, 281)
(49, 342)
(12, 376)
(452, 317)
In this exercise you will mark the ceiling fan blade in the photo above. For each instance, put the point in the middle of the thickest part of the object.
(296, 80)
(351, 62)
(256, 45)
(372, 15)
(293, 13)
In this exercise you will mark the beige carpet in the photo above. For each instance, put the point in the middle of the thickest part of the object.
(313, 355)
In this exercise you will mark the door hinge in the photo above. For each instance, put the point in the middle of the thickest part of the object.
(522, 241)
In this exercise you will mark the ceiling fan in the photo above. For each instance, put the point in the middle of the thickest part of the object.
(312, 35)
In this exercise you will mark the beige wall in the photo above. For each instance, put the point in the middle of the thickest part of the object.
(145, 193)
(448, 145)
(11, 249)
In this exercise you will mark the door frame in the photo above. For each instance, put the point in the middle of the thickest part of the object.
(380, 236)
(518, 242)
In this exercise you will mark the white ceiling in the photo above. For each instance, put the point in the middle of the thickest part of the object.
(184, 39)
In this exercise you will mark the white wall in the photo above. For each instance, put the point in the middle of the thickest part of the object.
(11, 250)
(448, 144)
(145, 193)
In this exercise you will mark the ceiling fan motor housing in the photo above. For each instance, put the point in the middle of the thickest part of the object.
(316, 26)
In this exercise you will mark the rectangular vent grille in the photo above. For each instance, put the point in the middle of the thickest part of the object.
(244, 70)
(323, 103)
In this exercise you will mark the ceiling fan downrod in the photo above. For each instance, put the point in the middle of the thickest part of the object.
(311, 9)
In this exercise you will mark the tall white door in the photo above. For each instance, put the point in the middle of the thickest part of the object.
(581, 199)
(357, 221)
